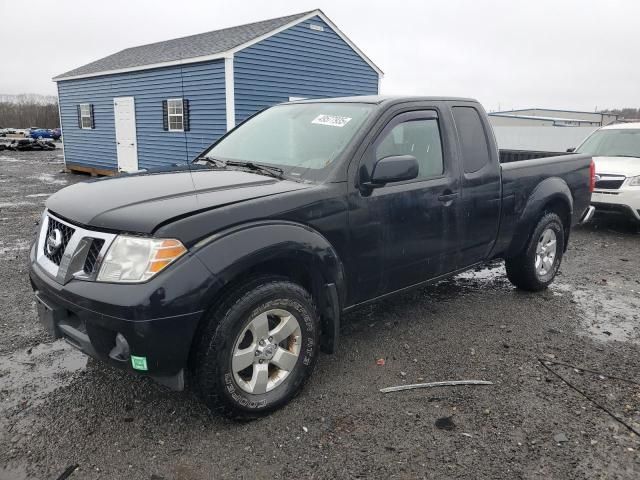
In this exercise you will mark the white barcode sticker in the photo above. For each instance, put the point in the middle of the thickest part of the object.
(331, 120)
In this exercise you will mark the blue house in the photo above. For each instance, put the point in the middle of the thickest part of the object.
(163, 103)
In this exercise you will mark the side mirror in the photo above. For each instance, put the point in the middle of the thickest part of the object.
(396, 168)
(571, 150)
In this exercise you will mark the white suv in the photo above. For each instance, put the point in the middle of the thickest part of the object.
(616, 152)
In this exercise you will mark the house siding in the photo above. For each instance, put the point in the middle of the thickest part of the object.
(299, 62)
(202, 84)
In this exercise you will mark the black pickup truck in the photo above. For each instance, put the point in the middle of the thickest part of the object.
(238, 267)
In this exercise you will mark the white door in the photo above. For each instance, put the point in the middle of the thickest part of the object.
(124, 111)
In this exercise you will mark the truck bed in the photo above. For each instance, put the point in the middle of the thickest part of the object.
(523, 181)
(508, 156)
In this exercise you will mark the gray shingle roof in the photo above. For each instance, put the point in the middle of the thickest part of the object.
(202, 44)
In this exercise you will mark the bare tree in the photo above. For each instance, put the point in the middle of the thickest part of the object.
(24, 111)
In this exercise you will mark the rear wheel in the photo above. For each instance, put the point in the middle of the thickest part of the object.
(535, 268)
(259, 348)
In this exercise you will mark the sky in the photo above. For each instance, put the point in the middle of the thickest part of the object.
(565, 54)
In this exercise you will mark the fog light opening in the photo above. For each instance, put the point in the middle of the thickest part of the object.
(121, 351)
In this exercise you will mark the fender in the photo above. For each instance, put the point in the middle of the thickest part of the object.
(232, 252)
(553, 189)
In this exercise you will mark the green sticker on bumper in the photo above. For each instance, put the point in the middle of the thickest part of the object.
(139, 363)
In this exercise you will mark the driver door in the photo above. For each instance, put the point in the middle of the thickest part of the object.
(404, 233)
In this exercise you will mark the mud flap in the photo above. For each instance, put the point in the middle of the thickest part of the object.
(330, 319)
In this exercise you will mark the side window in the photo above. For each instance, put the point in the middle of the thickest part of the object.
(420, 138)
(85, 116)
(473, 141)
(174, 112)
(175, 115)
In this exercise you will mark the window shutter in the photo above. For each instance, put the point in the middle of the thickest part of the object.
(185, 114)
(165, 116)
(93, 120)
(79, 116)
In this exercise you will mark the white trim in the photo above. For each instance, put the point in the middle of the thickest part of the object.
(229, 92)
(64, 157)
(82, 117)
(169, 115)
(350, 43)
(226, 54)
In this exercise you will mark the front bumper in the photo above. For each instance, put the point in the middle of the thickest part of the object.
(121, 324)
(625, 201)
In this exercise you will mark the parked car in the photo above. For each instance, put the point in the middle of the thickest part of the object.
(42, 133)
(239, 267)
(616, 153)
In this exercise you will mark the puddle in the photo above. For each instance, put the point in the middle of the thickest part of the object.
(4, 158)
(15, 204)
(14, 472)
(490, 276)
(27, 376)
(18, 246)
(608, 312)
(486, 272)
(38, 195)
(48, 178)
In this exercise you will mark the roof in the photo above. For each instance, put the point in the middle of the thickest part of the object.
(555, 110)
(622, 126)
(378, 99)
(534, 117)
(198, 48)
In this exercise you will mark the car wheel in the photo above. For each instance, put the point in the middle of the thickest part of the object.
(536, 267)
(258, 348)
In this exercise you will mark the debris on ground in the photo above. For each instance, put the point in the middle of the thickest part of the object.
(380, 362)
(445, 423)
(68, 471)
(560, 438)
(451, 383)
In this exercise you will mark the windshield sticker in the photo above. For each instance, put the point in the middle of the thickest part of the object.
(331, 120)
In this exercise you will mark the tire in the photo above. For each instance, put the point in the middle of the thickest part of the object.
(535, 268)
(265, 308)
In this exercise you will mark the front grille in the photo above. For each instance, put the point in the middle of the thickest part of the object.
(91, 261)
(66, 233)
(610, 182)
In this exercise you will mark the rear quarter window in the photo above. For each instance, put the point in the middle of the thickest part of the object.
(473, 140)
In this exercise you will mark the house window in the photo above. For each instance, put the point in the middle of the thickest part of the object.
(175, 114)
(85, 116)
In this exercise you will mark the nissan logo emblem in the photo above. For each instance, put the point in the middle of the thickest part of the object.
(54, 241)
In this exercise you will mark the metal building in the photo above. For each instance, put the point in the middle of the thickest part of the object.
(545, 129)
(552, 117)
(163, 103)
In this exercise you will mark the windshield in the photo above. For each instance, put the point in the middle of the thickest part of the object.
(612, 143)
(302, 139)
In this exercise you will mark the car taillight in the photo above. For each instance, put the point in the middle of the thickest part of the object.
(592, 173)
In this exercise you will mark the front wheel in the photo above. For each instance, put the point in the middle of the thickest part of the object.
(536, 267)
(259, 348)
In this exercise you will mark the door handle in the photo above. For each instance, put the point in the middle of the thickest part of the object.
(448, 196)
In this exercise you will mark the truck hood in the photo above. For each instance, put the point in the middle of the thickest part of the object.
(141, 202)
(627, 166)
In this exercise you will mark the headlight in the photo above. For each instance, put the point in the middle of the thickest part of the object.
(634, 181)
(137, 259)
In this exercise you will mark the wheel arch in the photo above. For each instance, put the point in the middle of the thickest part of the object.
(285, 249)
(551, 195)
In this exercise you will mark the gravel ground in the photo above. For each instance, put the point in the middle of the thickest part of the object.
(57, 409)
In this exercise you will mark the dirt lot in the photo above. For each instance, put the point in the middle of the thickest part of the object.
(57, 409)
